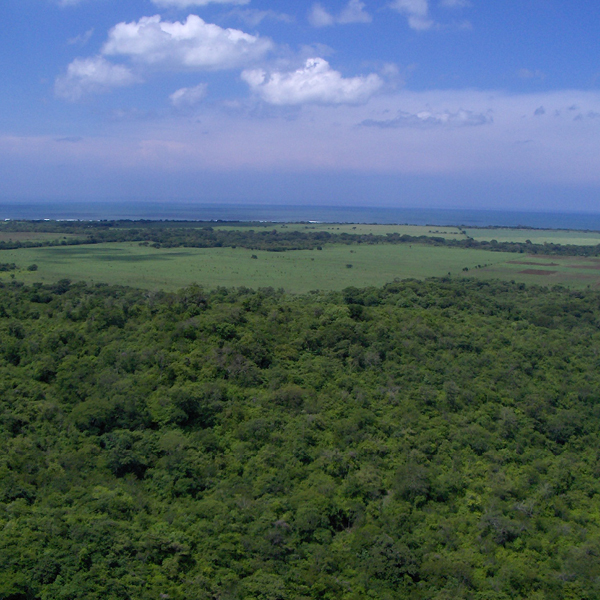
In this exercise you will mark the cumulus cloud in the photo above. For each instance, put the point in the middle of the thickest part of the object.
(417, 12)
(353, 12)
(427, 119)
(188, 97)
(316, 82)
(91, 75)
(187, 3)
(192, 44)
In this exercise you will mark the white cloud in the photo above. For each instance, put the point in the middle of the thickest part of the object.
(193, 44)
(187, 3)
(417, 12)
(353, 12)
(315, 82)
(188, 97)
(91, 75)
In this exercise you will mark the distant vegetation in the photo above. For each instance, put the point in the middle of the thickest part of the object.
(423, 440)
(199, 235)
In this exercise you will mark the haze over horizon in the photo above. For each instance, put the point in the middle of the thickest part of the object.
(431, 103)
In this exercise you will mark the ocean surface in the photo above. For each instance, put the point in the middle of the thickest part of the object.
(280, 213)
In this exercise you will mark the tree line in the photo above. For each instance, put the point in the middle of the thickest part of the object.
(164, 234)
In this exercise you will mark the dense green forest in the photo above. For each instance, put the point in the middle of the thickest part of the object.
(166, 234)
(424, 440)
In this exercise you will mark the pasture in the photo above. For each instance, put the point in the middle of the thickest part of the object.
(536, 236)
(32, 236)
(570, 271)
(334, 267)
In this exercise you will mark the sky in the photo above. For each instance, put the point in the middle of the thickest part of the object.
(408, 103)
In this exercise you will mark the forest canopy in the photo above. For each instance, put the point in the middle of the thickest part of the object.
(433, 439)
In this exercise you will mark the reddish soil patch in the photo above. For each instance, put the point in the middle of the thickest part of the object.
(537, 272)
(539, 264)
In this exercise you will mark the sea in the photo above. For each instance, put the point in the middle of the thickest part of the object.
(190, 211)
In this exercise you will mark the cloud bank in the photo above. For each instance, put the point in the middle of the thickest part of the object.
(316, 82)
(561, 147)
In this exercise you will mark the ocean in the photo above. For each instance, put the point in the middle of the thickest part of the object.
(190, 211)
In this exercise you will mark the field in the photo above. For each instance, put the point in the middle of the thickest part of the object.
(536, 236)
(296, 271)
(569, 271)
(32, 236)
(334, 267)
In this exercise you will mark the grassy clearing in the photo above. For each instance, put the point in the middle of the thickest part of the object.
(577, 238)
(296, 271)
(569, 271)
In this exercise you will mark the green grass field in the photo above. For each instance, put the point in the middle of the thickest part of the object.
(536, 236)
(296, 271)
(569, 271)
(32, 236)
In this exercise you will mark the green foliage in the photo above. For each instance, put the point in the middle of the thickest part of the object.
(424, 440)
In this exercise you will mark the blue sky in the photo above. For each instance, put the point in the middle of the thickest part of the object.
(449, 103)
